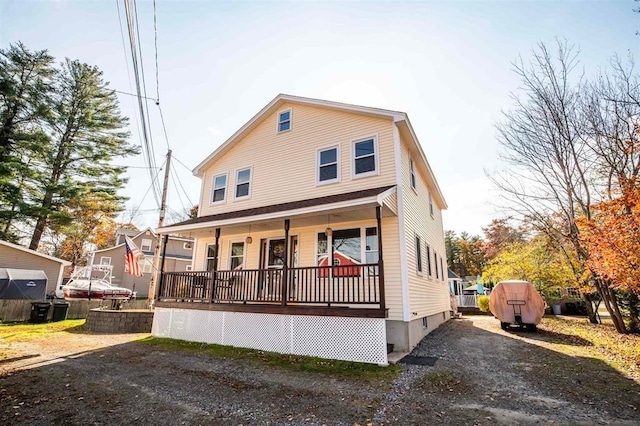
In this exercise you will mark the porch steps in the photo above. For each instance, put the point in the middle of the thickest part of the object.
(395, 357)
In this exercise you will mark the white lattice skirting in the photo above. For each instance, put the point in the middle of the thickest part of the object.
(349, 339)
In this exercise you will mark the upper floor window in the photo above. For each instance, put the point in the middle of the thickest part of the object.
(243, 183)
(284, 121)
(413, 173)
(430, 204)
(365, 160)
(146, 244)
(328, 165)
(418, 253)
(219, 188)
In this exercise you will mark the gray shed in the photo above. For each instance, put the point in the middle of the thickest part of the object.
(22, 284)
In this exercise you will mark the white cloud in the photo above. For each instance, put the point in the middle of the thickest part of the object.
(213, 130)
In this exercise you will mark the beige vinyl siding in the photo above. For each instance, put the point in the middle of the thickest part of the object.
(427, 295)
(284, 165)
(307, 245)
(18, 259)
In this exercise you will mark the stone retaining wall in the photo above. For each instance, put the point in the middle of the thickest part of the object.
(125, 321)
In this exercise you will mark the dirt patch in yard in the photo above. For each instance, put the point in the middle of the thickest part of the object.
(483, 376)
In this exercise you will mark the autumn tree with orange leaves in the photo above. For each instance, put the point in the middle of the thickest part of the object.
(612, 237)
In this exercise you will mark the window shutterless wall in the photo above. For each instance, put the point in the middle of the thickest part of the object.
(284, 165)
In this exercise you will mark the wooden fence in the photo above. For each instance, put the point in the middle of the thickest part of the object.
(20, 310)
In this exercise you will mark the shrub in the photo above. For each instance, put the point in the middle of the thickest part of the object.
(483, 303)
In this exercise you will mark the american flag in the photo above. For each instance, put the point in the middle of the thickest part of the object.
(131, 257)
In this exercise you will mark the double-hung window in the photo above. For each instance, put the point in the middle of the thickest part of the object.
(429, 260)
(147, 265)
(418, 253)
(430, 204)
(243, 183)
(237, 255)
(435, 261)
(413, 173)
(210, 259)
(219, 189)
(328, 165)
(146, 244)
(442, 268)
(365, 161)
(284, 121)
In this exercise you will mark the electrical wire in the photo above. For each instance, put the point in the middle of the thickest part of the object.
(155, 178)
(148, 151)
(133, 94)
(155, 38)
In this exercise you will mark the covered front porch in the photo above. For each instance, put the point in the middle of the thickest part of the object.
(323, 259)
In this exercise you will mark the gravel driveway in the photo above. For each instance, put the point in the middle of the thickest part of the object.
(483, 376)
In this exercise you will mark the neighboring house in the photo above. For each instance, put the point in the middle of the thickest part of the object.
(304, 185)
(14, 256)
(178, 258)
(455, 283)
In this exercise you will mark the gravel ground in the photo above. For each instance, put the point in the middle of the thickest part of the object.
(483, 376)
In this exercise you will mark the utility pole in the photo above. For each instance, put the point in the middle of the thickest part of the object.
(156, 253)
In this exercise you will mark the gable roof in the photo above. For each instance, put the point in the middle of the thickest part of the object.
(397, 117)
(26, 250)
(139, 233)
(452, 274)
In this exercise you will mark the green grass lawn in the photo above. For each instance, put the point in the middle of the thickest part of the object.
(22, 332)
(289, 362)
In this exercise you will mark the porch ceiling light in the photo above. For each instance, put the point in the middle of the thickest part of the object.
(249, 240)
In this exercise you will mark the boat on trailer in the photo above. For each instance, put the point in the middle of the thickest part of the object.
(93, 282)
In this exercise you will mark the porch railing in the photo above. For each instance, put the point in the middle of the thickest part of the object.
(467, 300)
(323, 285)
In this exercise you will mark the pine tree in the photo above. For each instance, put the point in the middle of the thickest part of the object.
(25, 82)
(87, 133)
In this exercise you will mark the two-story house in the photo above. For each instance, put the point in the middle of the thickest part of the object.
(319, 233)
(178, 257)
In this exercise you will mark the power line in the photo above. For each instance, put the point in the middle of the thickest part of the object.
(133, 94)
(182, 164)
(131, 15)
(124, 51)
(183, 190)
(155, 38)
(147, 192)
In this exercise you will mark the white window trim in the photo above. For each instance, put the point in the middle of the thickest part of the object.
(206, 254)
(290, 120)
(244, 252)
(142, 244)
(187, 246)
(235, 184)
(431, 205)
(376, 155)
(429, 267)
(417, 241)
(363, 240)
(147, 266)
(213, 189)
(413, 178)
(103, 258)
(435, 261)
(318, 151)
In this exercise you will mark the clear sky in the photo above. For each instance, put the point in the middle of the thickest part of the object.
(447, 64)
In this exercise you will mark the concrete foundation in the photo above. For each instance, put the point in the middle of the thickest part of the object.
(406, 335)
